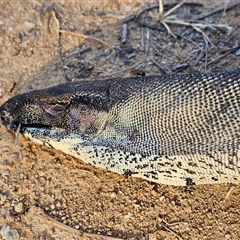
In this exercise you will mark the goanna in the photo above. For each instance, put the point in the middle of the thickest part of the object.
(176, 129)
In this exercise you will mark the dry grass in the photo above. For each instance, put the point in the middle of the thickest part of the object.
(167, 18)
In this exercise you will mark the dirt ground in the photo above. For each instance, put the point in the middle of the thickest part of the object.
(45, 194)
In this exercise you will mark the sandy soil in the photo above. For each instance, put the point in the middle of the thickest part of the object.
(46, 194)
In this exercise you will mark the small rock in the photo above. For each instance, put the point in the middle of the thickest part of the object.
(18, 207)
(4, 211)
(58, 204)
(113, 195)
(6, 172)
(228, 236)
(30, 25)
(76, 226)
(52, 206)
(8, 233)
(37, 33)
(17, 40)
(237, 52)
(2, 91)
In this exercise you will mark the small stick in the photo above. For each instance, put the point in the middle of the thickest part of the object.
(145, 23)
(13, 87)
(189, 40)
(7, 187)
(164, 226)
(157, 64)
(103, 14)
(230, 51)
(71, 229)
(164, 48)
(229, 192)
(85, 36)
(139, 13)
(156, 5)
(78, 51)
(173, 9)
(179, 67)
(61, 57)
(16, 140)
(216, 10)
(198, 58)
(206, 58)
(160, 8)
(142, 37)
(124, 32)
(59, 44)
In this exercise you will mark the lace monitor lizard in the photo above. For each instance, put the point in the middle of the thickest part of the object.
(169, 129)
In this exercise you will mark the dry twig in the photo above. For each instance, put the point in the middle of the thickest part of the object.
(225, 54)
(124, 32)
(60, 225)
(156, 5)
(85, 36)
(229, 192)
(216, 10)
(16, 140)
(166, 19)
(166, 225)
(60, 45)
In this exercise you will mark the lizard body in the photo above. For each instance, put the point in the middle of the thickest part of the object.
(176, 129)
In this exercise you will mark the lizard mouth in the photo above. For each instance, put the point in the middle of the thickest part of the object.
(12, 124)
(15, 125)
(23, 127)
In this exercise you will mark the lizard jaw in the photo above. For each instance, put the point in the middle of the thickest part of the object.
(13, 124)
(52, 137)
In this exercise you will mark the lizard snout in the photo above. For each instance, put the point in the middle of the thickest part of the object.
(6, 117)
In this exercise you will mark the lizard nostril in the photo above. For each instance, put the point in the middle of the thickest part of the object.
(6, 118)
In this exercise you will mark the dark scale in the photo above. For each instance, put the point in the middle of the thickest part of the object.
(189, 182)
(134, 159)
(127, 172)
(215, 179)
(191, 172)
(179, 164)
(147, 175)
(192, 164)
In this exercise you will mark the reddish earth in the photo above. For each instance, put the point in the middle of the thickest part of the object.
(46, 194)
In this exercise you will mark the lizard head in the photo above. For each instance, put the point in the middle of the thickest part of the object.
(73, 108)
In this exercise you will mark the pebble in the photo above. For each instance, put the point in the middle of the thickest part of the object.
(9, 234)
(18, 207)
(30, 25)
(58, 204)
(237, 52)
(2, 91)
(37, 33)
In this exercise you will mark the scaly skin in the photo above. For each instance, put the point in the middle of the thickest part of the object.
(176, 130)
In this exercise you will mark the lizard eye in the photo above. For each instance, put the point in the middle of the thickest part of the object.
(54, 109)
